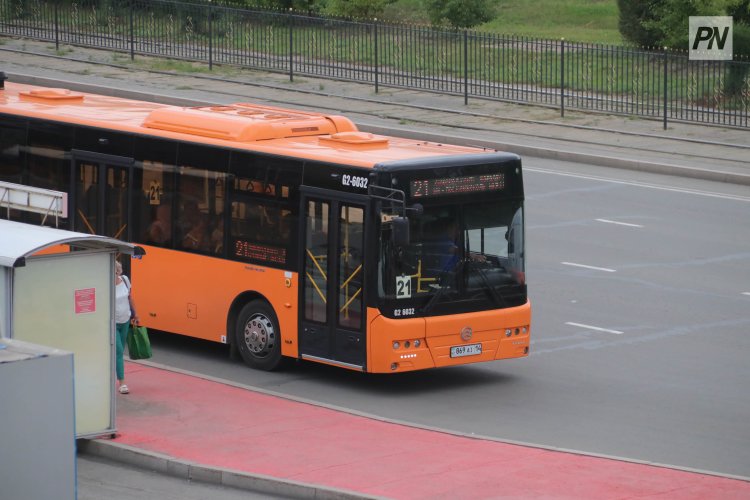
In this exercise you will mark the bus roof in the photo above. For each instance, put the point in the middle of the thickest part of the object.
(252, 127)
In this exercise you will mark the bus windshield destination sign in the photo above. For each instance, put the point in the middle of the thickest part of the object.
(457, 185)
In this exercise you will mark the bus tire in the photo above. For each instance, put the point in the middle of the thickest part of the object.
(258, 337)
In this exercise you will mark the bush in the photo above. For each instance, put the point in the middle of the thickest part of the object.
(459, 13)
(637, 19)
(356, 9)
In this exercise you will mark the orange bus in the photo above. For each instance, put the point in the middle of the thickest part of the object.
(286, 233)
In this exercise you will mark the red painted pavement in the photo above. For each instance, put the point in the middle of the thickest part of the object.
(218, 425)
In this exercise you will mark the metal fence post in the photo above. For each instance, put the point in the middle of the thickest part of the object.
(132, 32)
(375, 24)
(665, 88)
(210, 39)
(466, 67)
(291, 48)
(57, 29)
(562, 78)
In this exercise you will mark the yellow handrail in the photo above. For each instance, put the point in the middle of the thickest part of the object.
(354, 273)
(117, 235)
(316, 287)
(346, 305)
(85, 221)
(316, 263)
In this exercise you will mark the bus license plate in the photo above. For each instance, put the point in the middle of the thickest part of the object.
(466, 350)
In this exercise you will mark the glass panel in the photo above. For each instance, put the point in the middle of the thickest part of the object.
(116, 195)
(154, 205)
(12, 143)
(262, 219)
(87, 192)
(351, 250)
(494, 244)
(467, 251)
(316, 260)
(48, 167)
(200, 226)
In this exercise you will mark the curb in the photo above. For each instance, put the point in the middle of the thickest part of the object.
(519, 149)
(191, 471)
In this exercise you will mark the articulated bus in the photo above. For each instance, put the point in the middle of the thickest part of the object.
(287, 233)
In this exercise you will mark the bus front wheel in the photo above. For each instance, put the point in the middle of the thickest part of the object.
(257, 336)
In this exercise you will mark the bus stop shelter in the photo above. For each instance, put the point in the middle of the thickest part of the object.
(57, 290)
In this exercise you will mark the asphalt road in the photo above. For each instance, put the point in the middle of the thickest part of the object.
(641, 290)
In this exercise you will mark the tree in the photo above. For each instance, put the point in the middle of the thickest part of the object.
(740, 11)
(636, 21)
(673, 18)
(459, 13)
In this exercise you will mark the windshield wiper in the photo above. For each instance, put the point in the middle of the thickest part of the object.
(441, 289)
(496, 297)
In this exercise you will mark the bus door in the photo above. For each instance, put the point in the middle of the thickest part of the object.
(332, 313)
(102, 192)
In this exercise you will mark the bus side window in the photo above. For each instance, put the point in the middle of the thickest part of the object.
(192, 211)
(12, 143)
(200, 224)
(157, 189)
(48, 162)
(154, 188)
(263, 208)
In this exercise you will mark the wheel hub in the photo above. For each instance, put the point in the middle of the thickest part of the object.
(259, 335)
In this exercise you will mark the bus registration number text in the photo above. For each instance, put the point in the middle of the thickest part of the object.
(354, 181)
(466, 350)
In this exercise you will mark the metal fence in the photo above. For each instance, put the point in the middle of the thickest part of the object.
(661, 85)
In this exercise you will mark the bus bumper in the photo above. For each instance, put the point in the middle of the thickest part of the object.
(398, 345)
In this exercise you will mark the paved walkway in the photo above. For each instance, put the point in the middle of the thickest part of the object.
(202, 429)
(191, 427)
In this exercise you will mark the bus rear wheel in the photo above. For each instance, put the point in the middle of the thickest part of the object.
(258, 337)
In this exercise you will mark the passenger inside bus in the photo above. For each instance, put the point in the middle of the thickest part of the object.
(194, 225)
(159, 231)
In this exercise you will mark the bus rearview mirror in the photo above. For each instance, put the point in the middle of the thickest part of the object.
(400, 231)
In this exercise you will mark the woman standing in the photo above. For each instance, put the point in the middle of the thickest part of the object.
(124, 312)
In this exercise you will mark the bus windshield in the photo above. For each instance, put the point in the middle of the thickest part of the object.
(459, 257)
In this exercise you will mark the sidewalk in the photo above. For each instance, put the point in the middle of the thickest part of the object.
(691, 150)
(200, 429)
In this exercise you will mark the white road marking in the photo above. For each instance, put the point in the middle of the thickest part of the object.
(596, 328)
(641, 184)
(605, 269)
(618, 223)
(745, 293)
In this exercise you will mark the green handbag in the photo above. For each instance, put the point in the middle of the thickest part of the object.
(139, 347)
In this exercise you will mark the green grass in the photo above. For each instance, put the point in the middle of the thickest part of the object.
(171, 65)
(574, 20)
